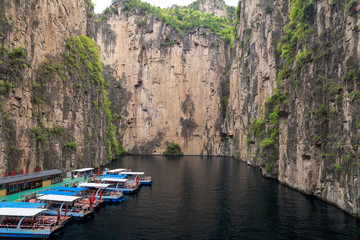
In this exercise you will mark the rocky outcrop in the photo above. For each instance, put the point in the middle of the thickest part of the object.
(216, 7)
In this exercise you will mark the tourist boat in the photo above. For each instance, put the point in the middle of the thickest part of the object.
(83, 172)
(121, 184)
(75, 206)
(53, 192)
(22, 205)
(77, 191)
(28, 223)
(114, 171)
(102, 193)
(144, 180)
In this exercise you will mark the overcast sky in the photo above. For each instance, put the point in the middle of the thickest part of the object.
(100, 5)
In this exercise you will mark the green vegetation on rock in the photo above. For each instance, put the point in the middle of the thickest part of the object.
(173, 150)
(184, 19)
(83, 55)
(69, 146)
(13, 63)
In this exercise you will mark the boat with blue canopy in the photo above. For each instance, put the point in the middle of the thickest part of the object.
(68, 189)
(21, 205)
(102, 193)
(28, 223)
(121, 183)
(48, 192)
(144, 180)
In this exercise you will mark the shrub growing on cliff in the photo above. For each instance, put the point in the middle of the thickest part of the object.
(268, 9)
(69, 146)
(173, 150)
(5, 87)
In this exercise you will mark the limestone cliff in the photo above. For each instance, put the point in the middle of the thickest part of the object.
(50, 115)
(170, 83)
(294, 95)
(216, 7)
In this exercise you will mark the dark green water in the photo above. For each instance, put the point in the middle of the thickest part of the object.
(212, 198)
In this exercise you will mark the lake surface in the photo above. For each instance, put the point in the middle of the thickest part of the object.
(211, 198)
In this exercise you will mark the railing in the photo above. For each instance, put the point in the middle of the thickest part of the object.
(32, 227)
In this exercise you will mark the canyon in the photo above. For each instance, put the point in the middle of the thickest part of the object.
(79, 89)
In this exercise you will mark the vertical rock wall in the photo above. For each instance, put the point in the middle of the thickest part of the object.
(49, 115)
(299, 61)
(253, 75)
(170, 84)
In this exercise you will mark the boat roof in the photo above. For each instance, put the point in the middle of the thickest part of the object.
(94, 185)
(53, 192)
(20, 212)
(58, 198)
(132, 173)
(68, 189)
(114, 179)
(116, 170)
(83, 170)
(112, 176)
(29, 176)
(21, 205)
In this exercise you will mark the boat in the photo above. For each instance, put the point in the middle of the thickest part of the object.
(121, 184)
(83, 172)
(116, 171)
(21, 205)
(144, 180)
(102, 193)
(77, 191)
(28, 223)
(69, 189)
(75, 206)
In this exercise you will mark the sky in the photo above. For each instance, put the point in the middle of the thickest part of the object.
(100, 5)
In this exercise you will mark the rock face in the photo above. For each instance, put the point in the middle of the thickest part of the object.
(285, 98)
(253, 78)
(300, 62)
(218, 8)
(171, 84)
(45, 118)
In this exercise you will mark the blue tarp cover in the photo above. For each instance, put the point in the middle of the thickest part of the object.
(113, 176)
(69, 189)
(21, 205)
(58, 193)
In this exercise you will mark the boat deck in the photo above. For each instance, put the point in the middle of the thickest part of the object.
(21, 195)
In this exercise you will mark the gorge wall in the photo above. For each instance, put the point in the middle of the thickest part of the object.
(283, 95)
(52, 100)
(171, 84)
(294, 95)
